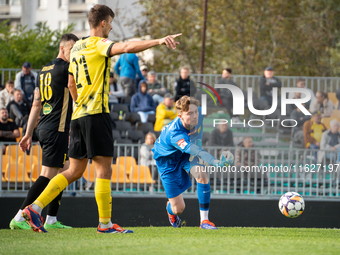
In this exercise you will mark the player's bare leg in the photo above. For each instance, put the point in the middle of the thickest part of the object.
(103, 196)
(174, 207)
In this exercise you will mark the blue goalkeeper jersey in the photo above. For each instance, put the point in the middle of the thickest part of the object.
(175, 139)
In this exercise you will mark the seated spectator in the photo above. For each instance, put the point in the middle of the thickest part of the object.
(144, 71)
(6, 95)
(244, 157)
(155, 89)
(330, 140)
(184, 86)
(165, 112)
(146, 154)
(312, 132)
(337, 105)
(225, 94)
(322, 103)
(142, 102)
(25, 80)
(116, 91)
(300, 118)
(301, 83)
(267, 82)
(8, 129)
(221, 136)
(18, 109)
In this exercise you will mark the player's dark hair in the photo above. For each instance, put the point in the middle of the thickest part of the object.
(68, 37)
(182, 105)
(228, 69)
(98, 13)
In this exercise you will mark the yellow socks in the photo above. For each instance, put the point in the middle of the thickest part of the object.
(102, 192)
(56, 185)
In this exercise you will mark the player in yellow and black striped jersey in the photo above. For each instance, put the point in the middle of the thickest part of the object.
(90, 67)
(53, 97)
(91, 134)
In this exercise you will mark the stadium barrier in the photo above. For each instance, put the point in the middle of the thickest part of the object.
(273, 172)
(327, 84)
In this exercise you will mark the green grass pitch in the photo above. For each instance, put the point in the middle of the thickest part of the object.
(167, 240)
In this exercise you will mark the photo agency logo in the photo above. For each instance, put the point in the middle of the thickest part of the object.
(239, 108)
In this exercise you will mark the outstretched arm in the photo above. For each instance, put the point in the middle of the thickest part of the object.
(138, 46)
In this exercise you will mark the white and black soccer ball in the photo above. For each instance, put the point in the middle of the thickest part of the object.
(291, 204)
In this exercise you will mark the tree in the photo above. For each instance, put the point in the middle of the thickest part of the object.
(297, 38)
(37, 46)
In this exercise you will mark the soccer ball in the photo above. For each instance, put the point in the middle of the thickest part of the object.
(291, 204)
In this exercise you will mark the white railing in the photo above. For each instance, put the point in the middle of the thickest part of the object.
(273, 172)
(327, 84)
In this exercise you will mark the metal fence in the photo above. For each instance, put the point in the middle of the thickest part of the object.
(269, 174)
(327, 84)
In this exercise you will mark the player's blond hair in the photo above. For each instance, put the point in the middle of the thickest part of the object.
(182, 105)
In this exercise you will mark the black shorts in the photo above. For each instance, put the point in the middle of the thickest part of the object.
(91, 136)
(54, 147)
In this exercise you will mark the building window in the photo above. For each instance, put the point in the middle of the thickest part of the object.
(4, 2)
(42, 4)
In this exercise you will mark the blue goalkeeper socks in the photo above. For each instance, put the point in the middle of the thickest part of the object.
(203, 193)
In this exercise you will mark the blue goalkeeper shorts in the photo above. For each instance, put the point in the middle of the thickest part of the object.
(175, 174)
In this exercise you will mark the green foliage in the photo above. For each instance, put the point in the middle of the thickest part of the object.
(297, 38)
(38, 46)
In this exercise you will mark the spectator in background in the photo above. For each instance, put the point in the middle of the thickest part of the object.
(221, 136)
(225, 94)
(127, 68)
(337, 105)
(144, 70)
(244, 157)
(322, 103)
(116, 91)
(142, 102)
(165, 112)
(184, 86)
(146, 154)
(330, 140)
(6, 95)
(8, 129)
(300, 118)
(155, 89)
(19, 109)
(312, 132)
(25, 80)
(301, 83)
(267, 82)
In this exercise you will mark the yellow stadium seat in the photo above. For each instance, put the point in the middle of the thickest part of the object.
(326, 121)
(119, 175)
(20, 133)
(14, 151)
(126, 162)
(36, 170)
(28, 161)
(141, 174)
(336, 114)
(90, 173)
(332, 97)
(15, 172)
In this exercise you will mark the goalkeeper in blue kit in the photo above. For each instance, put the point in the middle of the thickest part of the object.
(177, 152)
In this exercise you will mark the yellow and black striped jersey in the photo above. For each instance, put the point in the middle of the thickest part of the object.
(90, 66)
(55, 96)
